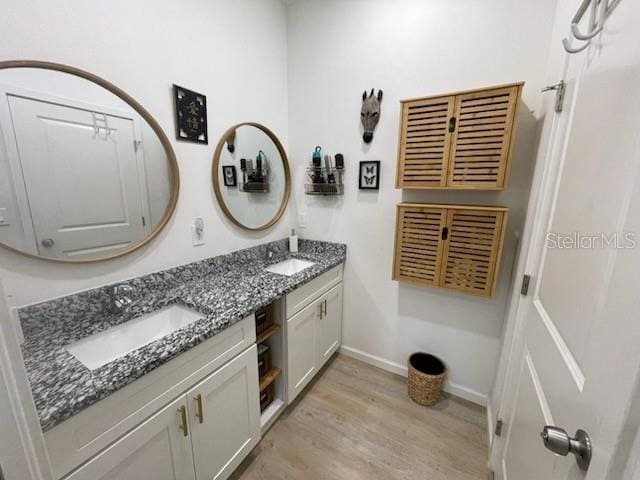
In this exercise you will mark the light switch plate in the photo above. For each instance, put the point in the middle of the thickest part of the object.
(302, 220)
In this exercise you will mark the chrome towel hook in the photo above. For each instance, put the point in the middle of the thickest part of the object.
(567, 46)
(597, 19)
(601, 9)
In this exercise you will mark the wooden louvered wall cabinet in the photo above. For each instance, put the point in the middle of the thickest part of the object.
(458, 141)
(449, 246)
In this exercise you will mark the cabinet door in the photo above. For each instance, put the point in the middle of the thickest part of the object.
(481, 144)
(418, 247)
(157, 449)
(302, 363)
(224, 413)
(471, 256)
(330, 324)
(424, 143)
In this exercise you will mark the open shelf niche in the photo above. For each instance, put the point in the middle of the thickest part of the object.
(273, 337)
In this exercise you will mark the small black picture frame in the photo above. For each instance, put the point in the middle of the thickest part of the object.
(369, 177)
(191, 115)
(229, 176)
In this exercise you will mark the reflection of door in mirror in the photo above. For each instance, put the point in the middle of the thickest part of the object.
(77, 181)
(66, 191)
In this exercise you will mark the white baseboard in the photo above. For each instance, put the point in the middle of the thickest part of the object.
(379, 362)
(384, 364)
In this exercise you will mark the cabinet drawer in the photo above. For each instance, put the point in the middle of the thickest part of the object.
(84, 435)
(301, 297)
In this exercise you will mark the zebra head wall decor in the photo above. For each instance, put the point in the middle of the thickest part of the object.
(370, 113)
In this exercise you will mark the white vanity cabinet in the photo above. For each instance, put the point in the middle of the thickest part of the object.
(198, 416)
(202, 435)
(314, 328)
(138, 427)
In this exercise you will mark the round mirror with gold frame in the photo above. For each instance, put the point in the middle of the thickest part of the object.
(86, 173)
(251, 176)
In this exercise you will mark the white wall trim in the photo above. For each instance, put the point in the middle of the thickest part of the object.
(14, 379)
(449, 387)
(490, 424)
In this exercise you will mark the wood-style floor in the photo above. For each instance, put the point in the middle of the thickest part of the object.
(356, 422)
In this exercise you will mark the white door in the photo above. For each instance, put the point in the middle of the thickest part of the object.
(82, 184)
(225, 417)
(575, 354)
(330, 324)
(302, 350)
(159, 449)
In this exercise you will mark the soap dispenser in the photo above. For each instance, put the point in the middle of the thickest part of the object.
(293, 242)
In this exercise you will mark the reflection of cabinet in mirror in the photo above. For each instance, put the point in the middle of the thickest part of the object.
(86, 175)
(263, 185)
(255, 179)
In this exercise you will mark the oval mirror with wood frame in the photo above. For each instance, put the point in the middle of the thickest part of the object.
(86, 173)
(251, 176)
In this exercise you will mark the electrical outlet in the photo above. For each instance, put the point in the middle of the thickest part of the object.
(197, 232)
(302, 220)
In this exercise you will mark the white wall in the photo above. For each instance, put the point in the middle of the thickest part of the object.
(50, 83)
(337, 49)
(233, 51)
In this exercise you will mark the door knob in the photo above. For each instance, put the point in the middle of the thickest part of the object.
(558, 441)
(47, 242)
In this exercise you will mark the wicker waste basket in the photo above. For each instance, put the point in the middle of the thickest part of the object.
(426, 376)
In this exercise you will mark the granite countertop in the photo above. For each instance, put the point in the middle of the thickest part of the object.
(224, 290)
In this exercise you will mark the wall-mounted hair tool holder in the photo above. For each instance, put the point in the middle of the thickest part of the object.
(255, 179)
(325, 179)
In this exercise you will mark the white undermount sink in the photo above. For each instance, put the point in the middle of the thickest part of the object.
(104, 347)
(289, 267)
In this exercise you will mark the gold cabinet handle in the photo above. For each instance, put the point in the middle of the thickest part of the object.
(183, 420)
(320, 305)
(325, 308)
(199, 413)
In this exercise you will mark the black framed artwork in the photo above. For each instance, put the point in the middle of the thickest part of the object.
(191, 115)
(229, 176)
(369, 178)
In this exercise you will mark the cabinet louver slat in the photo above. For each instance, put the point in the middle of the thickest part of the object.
(449, 246)
(418, 246)
(425, 144)
(482, 141)
(471, 250)
(458, 141)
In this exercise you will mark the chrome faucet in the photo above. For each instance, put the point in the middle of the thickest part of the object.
(270, 253)
(119, 300)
